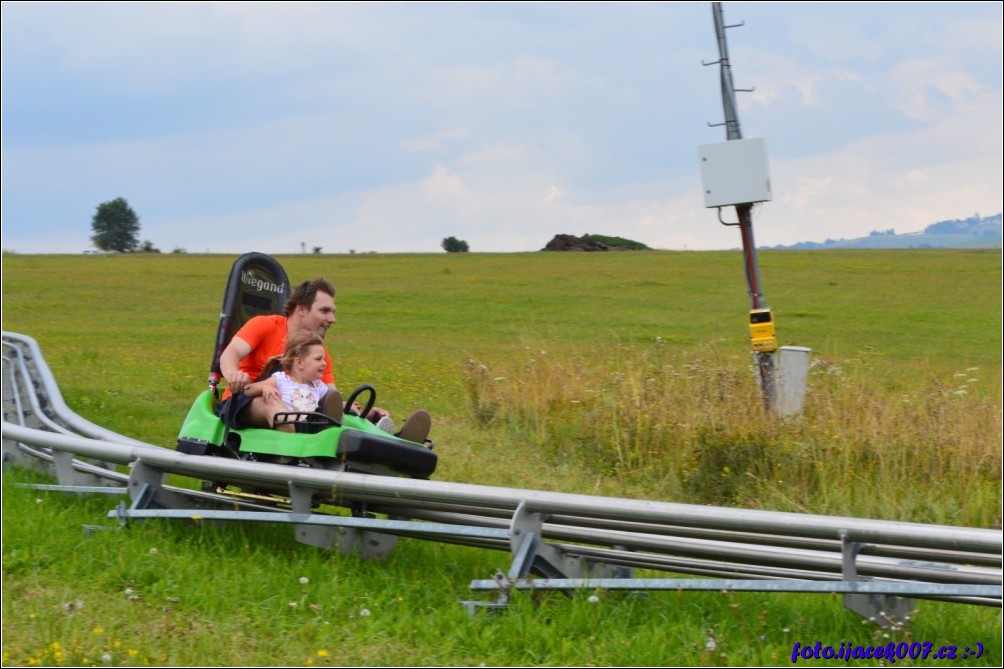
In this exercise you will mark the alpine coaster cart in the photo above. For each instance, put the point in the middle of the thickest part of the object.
(258, 285)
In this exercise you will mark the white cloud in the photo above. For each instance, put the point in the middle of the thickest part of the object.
(928, 89)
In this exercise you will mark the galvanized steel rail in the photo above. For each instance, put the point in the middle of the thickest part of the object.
(875, 563)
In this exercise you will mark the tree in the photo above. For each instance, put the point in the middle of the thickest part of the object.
(454, 245)
(115, 226)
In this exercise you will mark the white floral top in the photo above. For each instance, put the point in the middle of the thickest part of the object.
(299, 396)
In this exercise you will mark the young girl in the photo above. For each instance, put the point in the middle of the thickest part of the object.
(298, 382)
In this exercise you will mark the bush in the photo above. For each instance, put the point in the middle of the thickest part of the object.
(454, 245)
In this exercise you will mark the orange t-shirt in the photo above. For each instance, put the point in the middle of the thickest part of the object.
(266, 335)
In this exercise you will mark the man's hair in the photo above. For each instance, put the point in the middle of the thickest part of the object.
(305, 294)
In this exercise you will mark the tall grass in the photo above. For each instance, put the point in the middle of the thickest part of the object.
(689, 427)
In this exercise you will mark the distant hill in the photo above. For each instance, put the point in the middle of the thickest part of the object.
(970, 233)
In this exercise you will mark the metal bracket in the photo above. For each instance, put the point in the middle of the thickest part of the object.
(529, 554)
(500, 603)
(146, 489)
(365, 543)
(884, 610)
(67, 476)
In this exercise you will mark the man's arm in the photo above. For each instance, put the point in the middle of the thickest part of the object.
(230, 361)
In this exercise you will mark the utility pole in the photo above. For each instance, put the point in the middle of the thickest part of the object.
(737, 175)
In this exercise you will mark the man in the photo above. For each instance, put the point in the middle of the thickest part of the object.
(310, 307)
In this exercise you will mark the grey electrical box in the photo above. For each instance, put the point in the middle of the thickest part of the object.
(735, 172)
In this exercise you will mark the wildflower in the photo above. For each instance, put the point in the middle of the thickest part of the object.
(323, 653)
(106, 658)
(99, 630)
(128, 592)
(293, 605)
(710, 643)
(364, 613)
(154, 551)
(304, 580)
(593, 599)
(38, 500)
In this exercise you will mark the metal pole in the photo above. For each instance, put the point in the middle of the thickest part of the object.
(765, 360)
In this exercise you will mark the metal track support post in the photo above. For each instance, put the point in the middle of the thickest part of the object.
(146, 489)
(883, 610)
(365, 543)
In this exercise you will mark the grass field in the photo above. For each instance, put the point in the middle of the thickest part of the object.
(623, 374)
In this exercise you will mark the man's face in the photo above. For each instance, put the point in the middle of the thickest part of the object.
(321, 314)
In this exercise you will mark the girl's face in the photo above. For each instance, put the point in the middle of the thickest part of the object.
(310, 366)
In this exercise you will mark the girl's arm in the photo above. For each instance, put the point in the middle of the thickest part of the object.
(267, 389)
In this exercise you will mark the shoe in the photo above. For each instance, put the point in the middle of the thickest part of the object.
(416, 427)
(386, 424)
(332, 406)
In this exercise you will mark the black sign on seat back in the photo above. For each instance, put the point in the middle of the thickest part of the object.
(257, 286)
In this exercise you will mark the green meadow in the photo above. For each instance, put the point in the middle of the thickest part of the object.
(625, 374)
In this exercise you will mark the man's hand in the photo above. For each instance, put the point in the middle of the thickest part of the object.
(230, 360)
(376, 413)
(238, 381)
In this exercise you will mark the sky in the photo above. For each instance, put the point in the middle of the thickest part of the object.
(387, 127)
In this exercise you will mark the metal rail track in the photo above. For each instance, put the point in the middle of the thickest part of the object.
(572, 541)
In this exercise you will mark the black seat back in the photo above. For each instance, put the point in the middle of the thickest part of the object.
(257, 286)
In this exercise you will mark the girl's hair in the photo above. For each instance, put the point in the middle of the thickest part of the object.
(296, 347)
